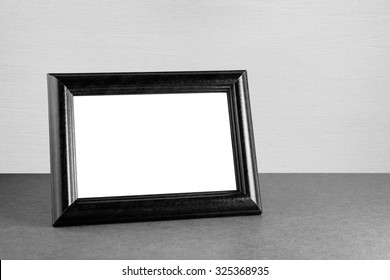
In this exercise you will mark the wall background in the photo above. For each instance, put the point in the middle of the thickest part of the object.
(319, 71)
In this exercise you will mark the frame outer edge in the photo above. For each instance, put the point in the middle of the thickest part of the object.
(249, 141)
(59, 189)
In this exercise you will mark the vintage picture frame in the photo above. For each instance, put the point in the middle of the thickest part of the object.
(68, 209)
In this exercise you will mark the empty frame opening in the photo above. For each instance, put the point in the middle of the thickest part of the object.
(153, 144)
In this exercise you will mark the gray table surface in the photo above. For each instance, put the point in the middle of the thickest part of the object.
(306, 216)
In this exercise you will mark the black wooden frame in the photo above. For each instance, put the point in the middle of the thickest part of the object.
(68, 209)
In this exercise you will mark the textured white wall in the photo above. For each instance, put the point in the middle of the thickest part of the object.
(319, 71)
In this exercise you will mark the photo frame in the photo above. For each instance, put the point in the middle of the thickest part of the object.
(70, 209)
